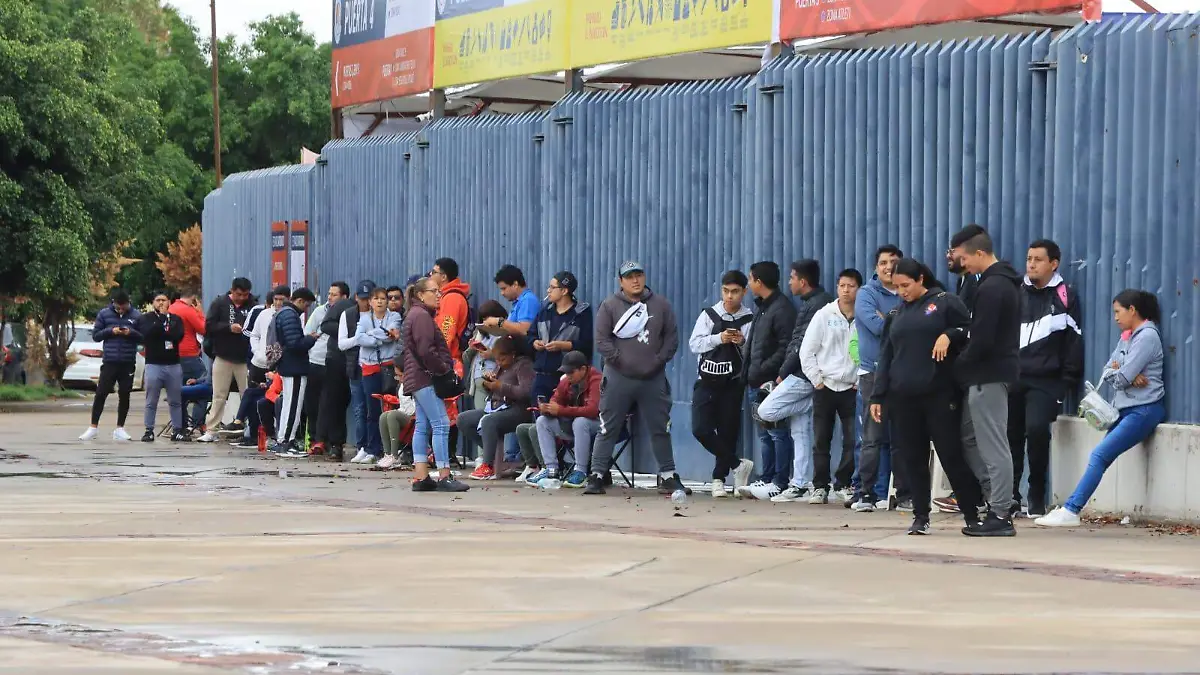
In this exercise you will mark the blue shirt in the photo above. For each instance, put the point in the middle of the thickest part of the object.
(526, 308)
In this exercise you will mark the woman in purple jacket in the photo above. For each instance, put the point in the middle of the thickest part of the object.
(425, 355)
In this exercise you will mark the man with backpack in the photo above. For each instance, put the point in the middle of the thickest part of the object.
(287, 351)
(454, 311)
(718, 339)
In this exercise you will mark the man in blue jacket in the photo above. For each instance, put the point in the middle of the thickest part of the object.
(292, 366)
(875, 301)
(117, 327)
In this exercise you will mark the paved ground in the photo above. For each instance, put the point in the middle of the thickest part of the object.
(136, 558)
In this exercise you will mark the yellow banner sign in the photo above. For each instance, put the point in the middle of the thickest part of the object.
(607, 31)
(517, 38)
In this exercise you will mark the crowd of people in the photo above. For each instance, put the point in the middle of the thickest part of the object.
(428, 379)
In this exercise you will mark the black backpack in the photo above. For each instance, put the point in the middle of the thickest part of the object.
(723, 365)
(468, 328)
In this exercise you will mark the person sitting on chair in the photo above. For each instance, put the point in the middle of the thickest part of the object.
(572, 414)
(510, 387)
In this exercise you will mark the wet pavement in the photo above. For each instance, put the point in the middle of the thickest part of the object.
(147, 558)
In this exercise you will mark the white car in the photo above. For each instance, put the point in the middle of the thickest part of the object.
(86, 370)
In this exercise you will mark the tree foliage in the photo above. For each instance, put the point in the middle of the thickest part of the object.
(106, 138)
(180, 265)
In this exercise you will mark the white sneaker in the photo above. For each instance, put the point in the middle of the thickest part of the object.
(370, 460)
(791, 494)
(90, 434)
(387, 462)
(718, 490)
(361, 457)
(741, 474)
(748, 490)
(864, 506)
(208, 437)
(844, 495)
(819, 496)
(1059, 517)
(765, 492)
(525, 474)
(120, 435)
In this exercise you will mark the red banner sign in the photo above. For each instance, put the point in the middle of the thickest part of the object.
(279, 255)
(400, 65)
(816, 18)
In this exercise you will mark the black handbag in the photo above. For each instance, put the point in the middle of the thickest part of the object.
(447, 385)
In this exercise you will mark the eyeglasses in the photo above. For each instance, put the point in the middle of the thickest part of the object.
(555, 288)
(430, 290)
(394, 297)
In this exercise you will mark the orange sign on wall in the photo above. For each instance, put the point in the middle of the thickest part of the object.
(373, 71)
(279, 254)
(817, 18)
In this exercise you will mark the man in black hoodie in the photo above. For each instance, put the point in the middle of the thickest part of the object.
(987, 368)
(224, 328)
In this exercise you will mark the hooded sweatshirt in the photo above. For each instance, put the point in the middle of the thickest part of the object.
(574, 326)
(810, 303)
(993, 342)
(906, 365)
(193, 325)
(1051, 338)
(161, 333)
(871, 310)
(453, 313)
(825, 352)
(645, 355)
(226, 344)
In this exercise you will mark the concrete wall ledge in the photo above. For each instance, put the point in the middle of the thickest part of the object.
(1156, 481)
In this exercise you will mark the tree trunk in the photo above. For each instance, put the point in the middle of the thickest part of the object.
(59, 330)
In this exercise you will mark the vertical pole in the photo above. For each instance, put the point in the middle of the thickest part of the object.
(216, 94)
(336, 130)
(437, 100)
(572, 81)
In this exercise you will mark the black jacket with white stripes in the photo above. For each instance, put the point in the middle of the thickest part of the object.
(1051, 333)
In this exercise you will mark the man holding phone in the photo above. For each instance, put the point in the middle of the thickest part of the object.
(117, 327)
(572, 414)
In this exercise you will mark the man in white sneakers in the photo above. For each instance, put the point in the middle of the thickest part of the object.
(826, 362)
(719, 339)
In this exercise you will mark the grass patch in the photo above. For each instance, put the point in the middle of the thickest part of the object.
(20, 392)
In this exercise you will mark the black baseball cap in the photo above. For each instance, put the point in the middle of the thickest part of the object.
(365, 288)
(572, 362)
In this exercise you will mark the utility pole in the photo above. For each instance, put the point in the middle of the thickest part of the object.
(216, 96)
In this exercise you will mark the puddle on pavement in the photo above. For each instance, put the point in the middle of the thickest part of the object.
(39, 474)
(292, 473)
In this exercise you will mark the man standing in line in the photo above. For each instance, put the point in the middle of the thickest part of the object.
(258, 323)
(637, 335)
(510, 281)
(770, 333)
(453, 311)
(825, 359)
(1051, 367)
(792, 399)
(161, 333)
(347, 329)
(188, 311)
(316, 372)
(224, 327)
(720, 333)
(871, 307)
(116, 326)
(292, 367)
(331, 416)
(987, 367)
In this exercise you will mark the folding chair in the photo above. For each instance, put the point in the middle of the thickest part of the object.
(625, 442)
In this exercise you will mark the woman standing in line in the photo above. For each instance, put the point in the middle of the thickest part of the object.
(1135, 371)
(425, 355)
(915, 383)
(377, 337)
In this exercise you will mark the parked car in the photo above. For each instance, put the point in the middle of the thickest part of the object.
(86, 370)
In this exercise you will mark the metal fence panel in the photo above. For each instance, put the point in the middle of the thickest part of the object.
(237, 223)
(1126, 208)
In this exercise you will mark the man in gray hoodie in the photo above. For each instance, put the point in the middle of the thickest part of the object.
(637, 335)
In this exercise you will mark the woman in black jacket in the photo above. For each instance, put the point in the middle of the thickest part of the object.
(915, 383)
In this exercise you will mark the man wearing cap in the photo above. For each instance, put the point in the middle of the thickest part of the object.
(637, 335)
(572, 414)
(563, 325)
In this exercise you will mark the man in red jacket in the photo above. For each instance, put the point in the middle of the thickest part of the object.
(186, 308)
(572, 414)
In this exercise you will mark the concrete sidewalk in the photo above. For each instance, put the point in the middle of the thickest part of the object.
(168, 557)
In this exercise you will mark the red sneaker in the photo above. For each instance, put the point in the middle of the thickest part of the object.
(317, 449)
(484, 472)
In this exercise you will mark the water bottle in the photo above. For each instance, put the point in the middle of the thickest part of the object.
(679, 497)
(550, 484)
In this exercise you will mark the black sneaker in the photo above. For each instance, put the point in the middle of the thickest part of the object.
(180, 437)
(595, 485)
(148, 437)
(607, 479)
(994, 526)
(426, 484)
(668, 486)
(919, 526)
(335, 453)
(452, 484)
(905, 505)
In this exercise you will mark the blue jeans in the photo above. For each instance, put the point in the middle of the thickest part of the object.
(373, 384)
(792, 400)
(1133, 426)
(197, 397)
(432, 421)
(776, 456)
(358, 403)
(858, 413)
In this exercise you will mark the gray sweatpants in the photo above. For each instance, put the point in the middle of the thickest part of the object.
(985, 443)
(579, 431)
(158, 378)
(619, 395)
